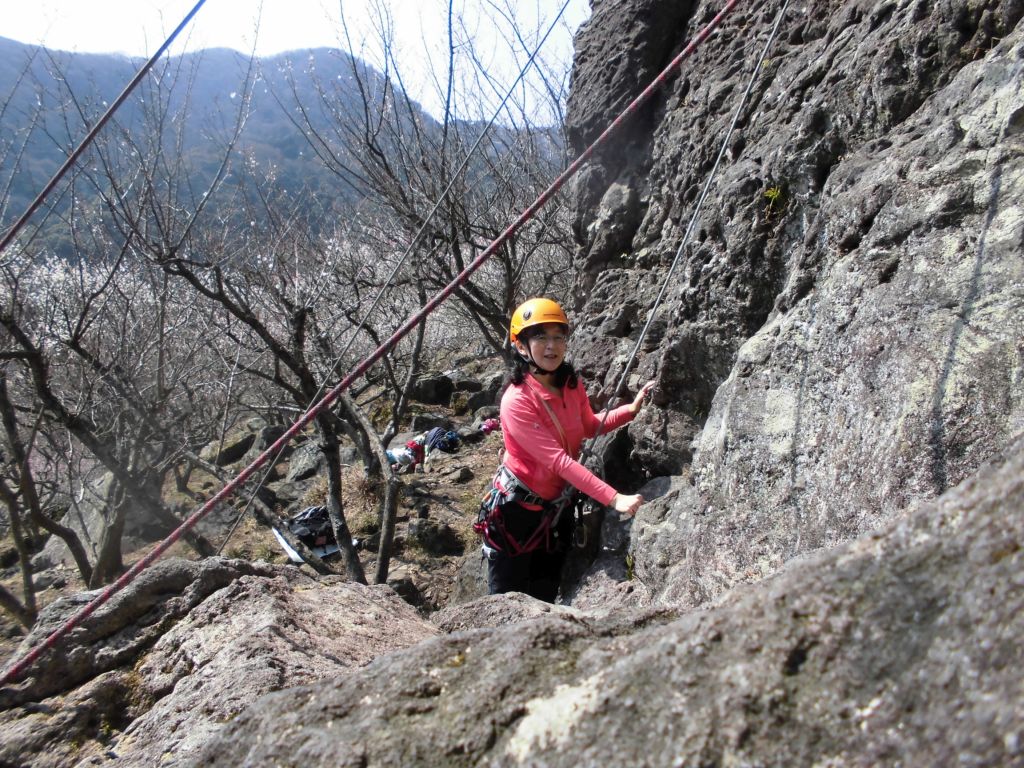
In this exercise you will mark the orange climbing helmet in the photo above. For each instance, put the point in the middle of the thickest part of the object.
(535, 312)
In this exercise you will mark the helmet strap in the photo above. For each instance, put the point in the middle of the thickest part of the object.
(527, 358)
(531, 364)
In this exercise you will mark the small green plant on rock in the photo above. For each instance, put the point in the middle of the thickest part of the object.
(773, 195)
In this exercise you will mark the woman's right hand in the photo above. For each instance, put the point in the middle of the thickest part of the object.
(627, 505)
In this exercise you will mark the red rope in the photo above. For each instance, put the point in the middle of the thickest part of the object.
(14, 671)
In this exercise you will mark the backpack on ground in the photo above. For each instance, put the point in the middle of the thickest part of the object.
(312, 526)
(441, 439)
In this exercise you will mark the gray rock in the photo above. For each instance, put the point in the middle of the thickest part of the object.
(130, 622)
(469, 435)
(266, 436)
(405, 587)
(457, 474)
(305, 462)
(436, 538)
(284, 493)
(827, 357)
(54, 577)
(433, 390)
(610, 580)
(901, 646)
(481, 414)
(462, 381)
(470, 577)
(489, 395)
(233, 448)
(480, 400)
(498, 611)
(422, 422)
(183, 666)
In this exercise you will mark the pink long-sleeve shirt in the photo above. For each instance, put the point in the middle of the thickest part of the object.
(533, 447)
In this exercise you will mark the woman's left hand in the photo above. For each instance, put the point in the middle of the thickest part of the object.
(639, 400)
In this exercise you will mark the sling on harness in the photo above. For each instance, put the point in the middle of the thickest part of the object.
(506, 488)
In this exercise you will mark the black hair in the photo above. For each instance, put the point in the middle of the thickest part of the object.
(565, 374)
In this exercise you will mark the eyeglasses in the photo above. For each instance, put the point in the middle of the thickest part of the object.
(558, 340)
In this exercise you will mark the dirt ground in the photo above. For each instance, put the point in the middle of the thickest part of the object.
(433, 532)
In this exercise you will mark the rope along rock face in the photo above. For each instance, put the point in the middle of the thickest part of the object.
(19, 667)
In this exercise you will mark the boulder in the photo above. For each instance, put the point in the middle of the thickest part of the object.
(470, 577)
(902, 646)
(841, 334)
(489, 395)
(306, 461)
(433, 390)
(233, 448)
(462, 381)
(434, 537)
(267, 435)
(481, 414)
(184, 649)
(423, 422)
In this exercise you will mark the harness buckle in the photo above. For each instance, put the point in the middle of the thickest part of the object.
(515, 489)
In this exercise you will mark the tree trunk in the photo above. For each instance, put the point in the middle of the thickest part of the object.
(329, 445)
(377, 461)
(109, 560)
(387, 528)
(27, 485)
(10, 604)
(26, 614)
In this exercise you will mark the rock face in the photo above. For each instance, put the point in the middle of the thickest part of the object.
(829, 567)
(902, 648)
(843, 333)
(182, 650)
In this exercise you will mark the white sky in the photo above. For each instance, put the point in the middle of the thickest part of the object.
(139, 27)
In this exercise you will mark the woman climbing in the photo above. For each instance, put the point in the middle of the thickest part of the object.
(545, 416)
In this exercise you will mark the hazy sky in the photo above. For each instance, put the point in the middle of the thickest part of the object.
(138, 27)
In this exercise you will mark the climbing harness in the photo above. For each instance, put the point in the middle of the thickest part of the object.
(16, 669)
(508, 489)
(512, 488)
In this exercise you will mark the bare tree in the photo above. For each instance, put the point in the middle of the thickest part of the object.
(99, 350)
(370, 133)
(115, 361)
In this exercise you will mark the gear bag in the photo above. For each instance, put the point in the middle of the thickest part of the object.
(442, 440)
(312, 526)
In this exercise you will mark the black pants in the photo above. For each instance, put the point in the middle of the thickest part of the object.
(536, 573)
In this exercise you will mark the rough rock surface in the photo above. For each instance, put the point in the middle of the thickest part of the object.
(496, 611)
(840, 346)
(828, 356)
(185, 648)
(901, 648)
